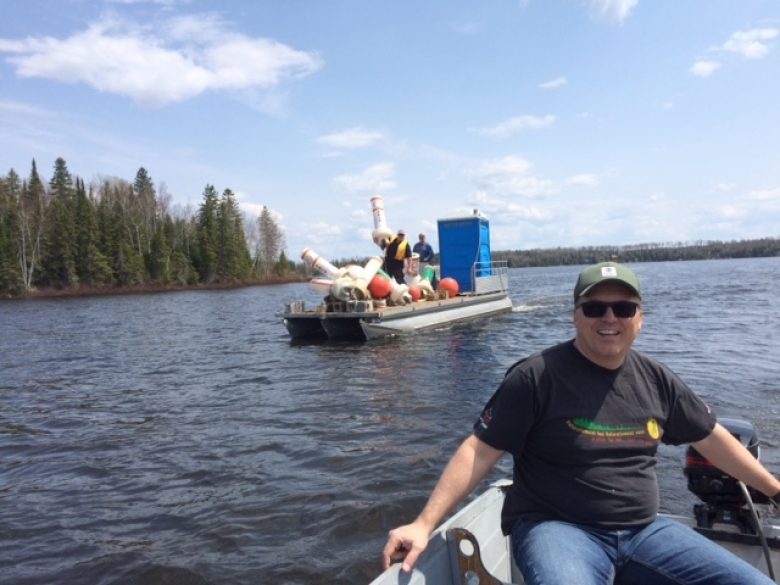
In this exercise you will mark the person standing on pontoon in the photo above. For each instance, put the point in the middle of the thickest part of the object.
(582, 421)
(425, 251)
(396, 253)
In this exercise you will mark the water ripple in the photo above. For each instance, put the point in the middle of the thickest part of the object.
(182, 438)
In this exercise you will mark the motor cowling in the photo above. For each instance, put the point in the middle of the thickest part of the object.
(713, 486)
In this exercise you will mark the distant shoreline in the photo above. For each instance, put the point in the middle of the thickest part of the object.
(93, 291)
(537, 258)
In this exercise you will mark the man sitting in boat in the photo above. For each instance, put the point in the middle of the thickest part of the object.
(583, 421)
(396, 252)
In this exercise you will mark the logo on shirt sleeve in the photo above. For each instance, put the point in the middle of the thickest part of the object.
(486, 417)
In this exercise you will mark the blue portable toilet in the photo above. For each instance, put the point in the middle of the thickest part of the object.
(464, 241)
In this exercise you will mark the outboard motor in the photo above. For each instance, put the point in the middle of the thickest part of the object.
(724, 500)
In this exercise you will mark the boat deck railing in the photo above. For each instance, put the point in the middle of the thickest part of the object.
(489, 277)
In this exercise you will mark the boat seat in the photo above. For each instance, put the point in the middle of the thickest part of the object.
(466, 560)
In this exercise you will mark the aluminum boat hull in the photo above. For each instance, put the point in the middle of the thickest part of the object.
(491, 562)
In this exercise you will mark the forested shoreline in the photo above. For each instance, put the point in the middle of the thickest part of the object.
(67, 238)
(660, 252)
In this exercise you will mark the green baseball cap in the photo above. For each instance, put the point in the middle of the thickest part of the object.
(605, 272)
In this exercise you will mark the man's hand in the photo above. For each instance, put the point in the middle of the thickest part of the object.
(405, 543)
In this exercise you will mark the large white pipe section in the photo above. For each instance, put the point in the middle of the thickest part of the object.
(378, 211)
(371, 268)
(381, 231)
(321, 285)
(317, 262)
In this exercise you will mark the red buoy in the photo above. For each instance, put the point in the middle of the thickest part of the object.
(450, 285)
(379, 287)
(414, 290)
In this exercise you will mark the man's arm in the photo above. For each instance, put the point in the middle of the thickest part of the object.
(468, 466)
(724, 451)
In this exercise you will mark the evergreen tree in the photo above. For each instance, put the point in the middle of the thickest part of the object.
(92, 266)
(107, 230)
(10, 273)
(125, 234)
(60, 264)
(284, 265)
(233, 258)
(208, 236)
(181, 229)
(145, 211)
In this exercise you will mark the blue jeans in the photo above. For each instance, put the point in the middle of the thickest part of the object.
(662, 553)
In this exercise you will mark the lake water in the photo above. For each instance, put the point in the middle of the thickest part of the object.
(181, 438)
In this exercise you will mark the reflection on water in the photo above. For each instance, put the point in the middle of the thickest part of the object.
(182, 438)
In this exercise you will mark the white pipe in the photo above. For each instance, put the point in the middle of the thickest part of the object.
(381, 232)
(321, 285)
(371, 268)
(378, 211)
(317, 262)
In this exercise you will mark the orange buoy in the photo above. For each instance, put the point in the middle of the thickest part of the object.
(414, 290)
(450, 285)
(379, 287)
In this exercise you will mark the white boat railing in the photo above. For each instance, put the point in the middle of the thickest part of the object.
(490, 277)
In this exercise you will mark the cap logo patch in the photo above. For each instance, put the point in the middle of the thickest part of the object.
(608, 272)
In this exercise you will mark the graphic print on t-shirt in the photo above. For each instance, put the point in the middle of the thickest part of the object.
(648, 434)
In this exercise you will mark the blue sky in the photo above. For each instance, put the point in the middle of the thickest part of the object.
(566, 122)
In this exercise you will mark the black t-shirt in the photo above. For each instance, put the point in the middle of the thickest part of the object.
(584, 438)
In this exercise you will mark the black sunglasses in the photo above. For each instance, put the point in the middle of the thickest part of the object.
(621, 309)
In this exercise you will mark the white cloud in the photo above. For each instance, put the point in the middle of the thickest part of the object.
(731, 211)
(517, 124)
(751, 44)
(704, 68)
(510, 176)
(323, 228)
(724, 187)
(502, 211)
(612, 10)
(155, 69)
(553, 84)
(254, 210)
(12, 107)
(585, 179)
(351, 138)
(319, 236)
(375, 179)
(765, 194)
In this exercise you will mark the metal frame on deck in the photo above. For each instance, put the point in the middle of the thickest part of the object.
(490, 277)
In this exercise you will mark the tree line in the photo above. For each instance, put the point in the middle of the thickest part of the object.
(112, 233)
(659, 252)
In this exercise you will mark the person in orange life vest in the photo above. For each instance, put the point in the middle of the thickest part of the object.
(396, 252)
